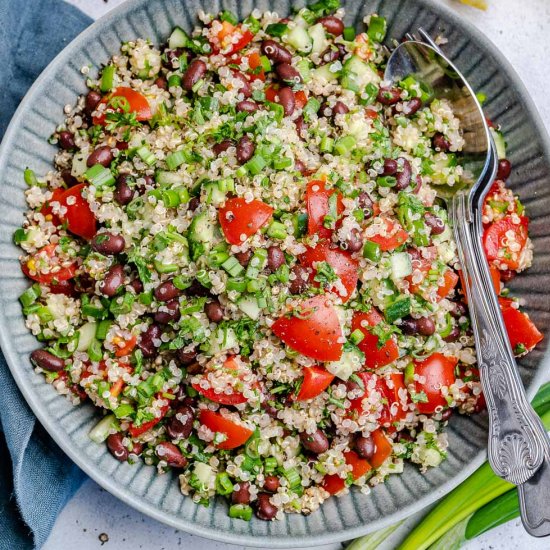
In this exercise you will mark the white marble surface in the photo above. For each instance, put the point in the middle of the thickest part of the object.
(521, 29)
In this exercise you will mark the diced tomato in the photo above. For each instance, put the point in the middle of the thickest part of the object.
(356, 408)
(47, 210)
(393, 235)
(136, 431)
(497, 242)
(450, 280)
(127, 348)
(345, 267)
(46, 257)
(240, 218)
(235, 397)
(316, 380)
(359, 466)
(312, 329)
(375, 357)
(79, 219)
(124, 99)
(495, 278)
(333, 484)
(300, 99)
(63, 287)
(521, 330)
(117, 386)
(437, 371)
(383, 448)
(236, 434)
(317, 200)
(224, 38)
(395, 408)
(254, 62)
(271, 92)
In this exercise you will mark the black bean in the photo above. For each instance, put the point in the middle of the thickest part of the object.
(171, 454)
(365, 203)
(195, 71)
(354, 242)
(332, 24)
(245, 149)
(436, 224)
(287, 100)
(288, 74)
(68, 178)
(146, 342)
(137, 448)
(221, 147)
(113, 280)
(170, 311)
(459, 310)
(409, 326)
(264, 509)
(181, 424)
(167, 291)
(275, 258)
(108, 244)
(193, 204)
(196, 289)
(172, 58)
(186, 357)
(390, 167)
(441, 143)
(47, 361)
(301, 127)
(453, 336)
(340, 108)
(271, 484)
(316, 442)
(365, 447)
(161, 83)
(504, 169)
(388, 96)
(298, 284)
(247, 106)
(244, 257)
(117, 448)
(66, 140)
(101, 155)
(330, 55)
(242, 494)
(276, 52)
(243, 86)
(137, 285)
(412, 106)
(425, 326)
(403, 176)
(446, 414)
(123, 192)
(91, 101)
(214, 311)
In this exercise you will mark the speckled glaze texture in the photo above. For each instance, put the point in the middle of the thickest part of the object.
(25, 144)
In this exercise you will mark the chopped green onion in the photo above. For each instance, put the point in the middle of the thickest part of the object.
(203, 278)
(232, 266)
(107, 78)
(122, 305)
(100, 432)
(164, 268)
(30, 295)
(146, 155)
(277, 230)
(240, 511)
(238, 285)
(99, 176)
(282, 163)
(311, 107)
(124, 410)
(196, 87)
(270, 464)
(299, 221)
(174, 81)
(177, 158)
(371, 251)
(377, 28)
(146, 298)
(344, 145)
(171, 198)
(356, 337)
(217, 257)
(349, 33)
(256, 164)
(229, 16)
(102, 329)
(276, 29)
(223, 484)
(19, 236)
(95, 351)
(256, 263)
(265, 63)
(30, 177)
(386, 181)
(96, 312)
(293, 478)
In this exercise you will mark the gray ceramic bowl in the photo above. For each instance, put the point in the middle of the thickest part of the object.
(25, 144)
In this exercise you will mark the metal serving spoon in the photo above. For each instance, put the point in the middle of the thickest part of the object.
(519, 448)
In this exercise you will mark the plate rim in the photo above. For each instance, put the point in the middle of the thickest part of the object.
(60, 435)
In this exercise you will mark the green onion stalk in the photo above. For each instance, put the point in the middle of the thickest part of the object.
(478, 504)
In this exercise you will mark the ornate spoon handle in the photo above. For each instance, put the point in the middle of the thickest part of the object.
(516, 448)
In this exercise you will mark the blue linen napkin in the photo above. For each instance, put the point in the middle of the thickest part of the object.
(36, 478)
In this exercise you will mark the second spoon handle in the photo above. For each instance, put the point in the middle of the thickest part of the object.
(515, 448)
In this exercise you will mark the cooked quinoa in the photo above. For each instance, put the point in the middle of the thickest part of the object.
(240, 260)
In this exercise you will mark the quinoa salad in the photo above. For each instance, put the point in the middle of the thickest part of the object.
(240, 260)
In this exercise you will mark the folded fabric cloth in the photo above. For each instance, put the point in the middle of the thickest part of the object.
(36, 478)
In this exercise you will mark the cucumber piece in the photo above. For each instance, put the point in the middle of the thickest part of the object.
(101, 431)
(202, 229)
(178, 39)
(499, 142)
(214, 195)
(350, 362)
(205, 474)
(86, 335)
(249, 306)
(398, 309)
(319, 38)
(401, 265)
(356, 74)
(325, 73)
(168, 178)
(223, 338)
(299, 39)
(383, 293)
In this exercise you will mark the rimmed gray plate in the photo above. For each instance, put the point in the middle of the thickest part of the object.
(25, 144)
